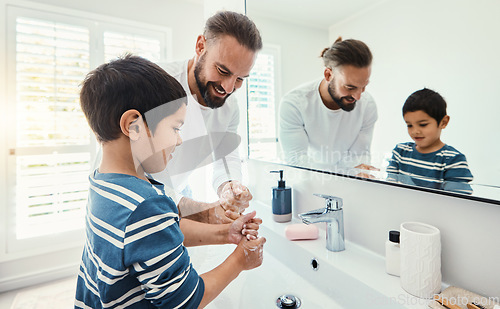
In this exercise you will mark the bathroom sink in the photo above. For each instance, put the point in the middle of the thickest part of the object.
(261, 287)
(354, 278)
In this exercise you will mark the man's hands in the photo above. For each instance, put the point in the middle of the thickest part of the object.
(234, 198)
(246, 226)
(368, 168)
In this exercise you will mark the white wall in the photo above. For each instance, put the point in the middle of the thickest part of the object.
(469, 229)
(18, 269)
(3, 141)
(447, 45)
(300, 49)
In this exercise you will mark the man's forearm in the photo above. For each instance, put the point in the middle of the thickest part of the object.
(197, 211)
(219, 189)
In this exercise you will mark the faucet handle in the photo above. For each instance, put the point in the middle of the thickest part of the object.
(329, 199)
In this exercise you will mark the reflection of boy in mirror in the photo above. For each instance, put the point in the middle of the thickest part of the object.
(328, 123)
(428, 161)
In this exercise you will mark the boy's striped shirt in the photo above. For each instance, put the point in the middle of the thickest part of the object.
(134, 255)
(445, 168)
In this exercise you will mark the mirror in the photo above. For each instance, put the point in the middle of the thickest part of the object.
(445, 45)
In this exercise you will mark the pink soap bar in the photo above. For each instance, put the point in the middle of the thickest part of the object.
(301, 231)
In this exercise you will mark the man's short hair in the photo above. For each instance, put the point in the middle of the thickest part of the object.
(236, 25)
(427, 100)
(347, 52)
(129, 82)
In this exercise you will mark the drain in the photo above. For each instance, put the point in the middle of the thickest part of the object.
(288, 301)
(314, 264)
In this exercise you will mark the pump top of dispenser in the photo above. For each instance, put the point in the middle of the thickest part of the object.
(394, 236)
(281, 182)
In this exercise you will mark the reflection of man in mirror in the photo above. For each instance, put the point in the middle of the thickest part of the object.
(224, 56)
(329, 123)
(428, 161)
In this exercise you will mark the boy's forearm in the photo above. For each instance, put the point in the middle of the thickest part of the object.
(220, 277)
(200, 234)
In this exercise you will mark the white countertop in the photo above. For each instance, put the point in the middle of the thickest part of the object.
(356, 262)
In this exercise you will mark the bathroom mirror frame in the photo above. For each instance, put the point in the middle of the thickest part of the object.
(457, 113)
(401, 185)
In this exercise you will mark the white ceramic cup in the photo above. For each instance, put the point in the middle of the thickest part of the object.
(420, 259)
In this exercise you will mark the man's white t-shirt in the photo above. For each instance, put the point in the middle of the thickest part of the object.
(203, 130)
(313, 135)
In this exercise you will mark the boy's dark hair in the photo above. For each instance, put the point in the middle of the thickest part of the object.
(129, 82)
(347, 52)
(236, 25)
(429, 101)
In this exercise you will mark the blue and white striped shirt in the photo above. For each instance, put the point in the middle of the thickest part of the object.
(134, 255)
(445, 168)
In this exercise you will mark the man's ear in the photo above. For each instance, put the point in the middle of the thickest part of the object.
(444, 122)
(131, 124)
(328, 73)
(201, 45)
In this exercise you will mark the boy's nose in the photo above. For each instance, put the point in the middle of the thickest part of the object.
(179, 140)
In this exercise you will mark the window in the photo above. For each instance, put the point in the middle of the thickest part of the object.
(116, 43)
(51, 60)
(51, 147)
(263, 95)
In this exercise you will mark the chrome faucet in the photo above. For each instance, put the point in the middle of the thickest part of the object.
(332, 214)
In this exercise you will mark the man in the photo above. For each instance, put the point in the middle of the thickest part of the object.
(224, 56)
(329, 123)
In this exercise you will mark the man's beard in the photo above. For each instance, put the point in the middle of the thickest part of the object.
(211, 101)
(346, 107)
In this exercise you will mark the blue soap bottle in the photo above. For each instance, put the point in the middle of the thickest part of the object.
(282, 200)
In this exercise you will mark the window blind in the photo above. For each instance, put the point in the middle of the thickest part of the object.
(51, 61)
(51, 179)
(53, 141)
(116, 44)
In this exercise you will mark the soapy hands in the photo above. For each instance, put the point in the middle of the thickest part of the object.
(251, 252)
(246, 226)
(234, 198)
(368, 168)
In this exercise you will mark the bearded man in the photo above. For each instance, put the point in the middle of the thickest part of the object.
(329, 123)
(224, 57)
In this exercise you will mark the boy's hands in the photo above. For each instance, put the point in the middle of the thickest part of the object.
(234, 198)
(251, 252)
(245, 226)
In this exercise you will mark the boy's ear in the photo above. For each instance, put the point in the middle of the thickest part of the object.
(131, 124)
(444, 122)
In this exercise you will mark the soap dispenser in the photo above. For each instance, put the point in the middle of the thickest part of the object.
(282, 200)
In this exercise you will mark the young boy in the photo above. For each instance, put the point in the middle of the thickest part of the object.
(428, 161)
(135, 254)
